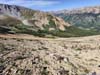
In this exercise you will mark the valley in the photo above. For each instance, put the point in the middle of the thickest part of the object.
(34, 42)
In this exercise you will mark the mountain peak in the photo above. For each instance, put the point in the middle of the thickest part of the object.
(31, 19)
(87, 18)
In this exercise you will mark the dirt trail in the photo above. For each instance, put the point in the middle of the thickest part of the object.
(31, 37)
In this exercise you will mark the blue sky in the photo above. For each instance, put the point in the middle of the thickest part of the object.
(51, 5)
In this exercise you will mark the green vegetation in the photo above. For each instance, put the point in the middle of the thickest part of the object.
(78, 49)
(51, 25)
(15, 26)
(28, 30)
(70, 31)
(84, 20)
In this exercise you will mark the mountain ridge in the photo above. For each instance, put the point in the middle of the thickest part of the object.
(16, 19)
(89, 9)
(22, 13)
(26, 20)
(85, 18)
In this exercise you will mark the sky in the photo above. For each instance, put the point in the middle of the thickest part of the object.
(52, 5)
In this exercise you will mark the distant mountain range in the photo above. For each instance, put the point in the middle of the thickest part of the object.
(87, 18)
(15, 19)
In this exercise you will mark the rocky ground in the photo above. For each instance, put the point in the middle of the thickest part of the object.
(64, 56)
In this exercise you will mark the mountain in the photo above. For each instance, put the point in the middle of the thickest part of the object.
(15, 19)
(21, 19)
(87, 18)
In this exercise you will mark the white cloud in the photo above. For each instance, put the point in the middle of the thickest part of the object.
(29, 3)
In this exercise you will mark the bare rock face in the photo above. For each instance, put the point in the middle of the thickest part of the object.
(73, 56)
(29, 17)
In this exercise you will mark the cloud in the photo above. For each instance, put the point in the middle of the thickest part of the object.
(30, 3)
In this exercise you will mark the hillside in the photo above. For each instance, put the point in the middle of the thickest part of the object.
(21, 20)
(16, 19)
(34, 42)
(87, 18)
(62, 56)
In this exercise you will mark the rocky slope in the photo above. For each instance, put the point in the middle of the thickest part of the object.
(17, 18)
(87, 18)
(70, 56)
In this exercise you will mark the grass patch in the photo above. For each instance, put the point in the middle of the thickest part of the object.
(78, 49)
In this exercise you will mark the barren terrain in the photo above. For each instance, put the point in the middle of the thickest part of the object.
(29, 55)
